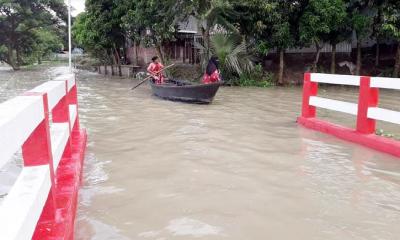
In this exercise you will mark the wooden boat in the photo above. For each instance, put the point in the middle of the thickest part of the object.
(176, 90)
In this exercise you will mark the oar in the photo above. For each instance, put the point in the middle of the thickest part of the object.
(146, 79)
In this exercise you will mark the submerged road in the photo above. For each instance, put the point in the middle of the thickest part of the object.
(238, 169)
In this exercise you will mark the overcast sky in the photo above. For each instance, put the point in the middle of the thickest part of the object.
(78, 6)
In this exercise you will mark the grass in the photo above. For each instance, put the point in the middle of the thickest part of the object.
(381, 132)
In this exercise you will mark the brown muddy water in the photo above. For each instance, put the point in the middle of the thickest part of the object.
(240, 168)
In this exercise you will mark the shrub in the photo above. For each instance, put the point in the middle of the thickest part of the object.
(255, 78)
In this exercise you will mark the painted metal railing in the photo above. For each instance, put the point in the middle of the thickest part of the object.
(366, 110)
(42, 122)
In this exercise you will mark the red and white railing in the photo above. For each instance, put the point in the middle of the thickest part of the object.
(366, 110)
(44, 123)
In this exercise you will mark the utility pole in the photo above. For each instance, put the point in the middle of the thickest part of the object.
(69, 37)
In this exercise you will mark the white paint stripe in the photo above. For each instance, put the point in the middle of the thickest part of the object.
(384, 115)
(335, 79)
(21, 209)
(335, 105)
(55, 91)
(389, 83)
(72, 114)
(69, 77)
(59, 137)
(71, 82)
(18, 118)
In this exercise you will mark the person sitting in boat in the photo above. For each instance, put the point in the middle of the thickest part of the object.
(212, 73)
(155, 70)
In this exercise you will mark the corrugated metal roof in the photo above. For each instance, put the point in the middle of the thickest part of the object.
(189, 26)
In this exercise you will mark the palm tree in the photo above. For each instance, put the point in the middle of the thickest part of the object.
(212, 14)
(231, 50)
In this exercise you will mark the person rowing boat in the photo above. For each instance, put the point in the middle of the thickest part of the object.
(155, 70)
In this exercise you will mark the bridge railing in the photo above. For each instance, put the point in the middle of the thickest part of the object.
(40, 123)
(366, 110)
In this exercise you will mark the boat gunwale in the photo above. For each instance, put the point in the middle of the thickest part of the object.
(186, 86)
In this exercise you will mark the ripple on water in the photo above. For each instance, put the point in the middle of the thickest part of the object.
(240, 168)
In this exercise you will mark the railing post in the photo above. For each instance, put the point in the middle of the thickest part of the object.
(60, 112)
(73, 99)
(309, 89)
(37, 150)
(368, 97)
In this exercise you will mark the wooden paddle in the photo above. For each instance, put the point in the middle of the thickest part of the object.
(149, 77)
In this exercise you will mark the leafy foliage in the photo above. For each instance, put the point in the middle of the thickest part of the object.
(20, 22)
(255, 78)
(47, 43)
(233, 29)
(391, 26)
(231, 52)
(321, 19)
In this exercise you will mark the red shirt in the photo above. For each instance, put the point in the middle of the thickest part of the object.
(214, 77)
(155, 67)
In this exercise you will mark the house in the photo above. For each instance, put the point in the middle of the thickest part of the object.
(182, 50)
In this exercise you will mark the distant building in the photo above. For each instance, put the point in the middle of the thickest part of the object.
(181, 50)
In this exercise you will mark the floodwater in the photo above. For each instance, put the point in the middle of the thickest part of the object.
(239, 169)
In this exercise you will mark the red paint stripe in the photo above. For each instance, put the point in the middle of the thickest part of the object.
(68, 179)
(368, 98)
(373, 141)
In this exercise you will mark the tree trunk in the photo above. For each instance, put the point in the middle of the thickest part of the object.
(118, 61)
(206, 43)
(18, 54)
(39, 60)
(159, 52)
(137, 53)
(378, 52)
(333, 60)
(315, 64)
(397, 64)
(358, 66)
(11, 60)
(281, 66)
(136, 58)
(105, 61)
(113, 61)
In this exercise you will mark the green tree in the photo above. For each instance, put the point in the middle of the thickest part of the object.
(47, 42)
(211, 15)
(337, 35)
(378, 32)
(231, 51)
(132, 27)
(321, 19)
(91, 38)
(99, 30)
(271, 24)
(19, 21)
(281, 28)
(361, 15)
(156, 21)
(391, 25)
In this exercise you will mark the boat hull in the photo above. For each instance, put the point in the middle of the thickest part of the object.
(185, 92)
